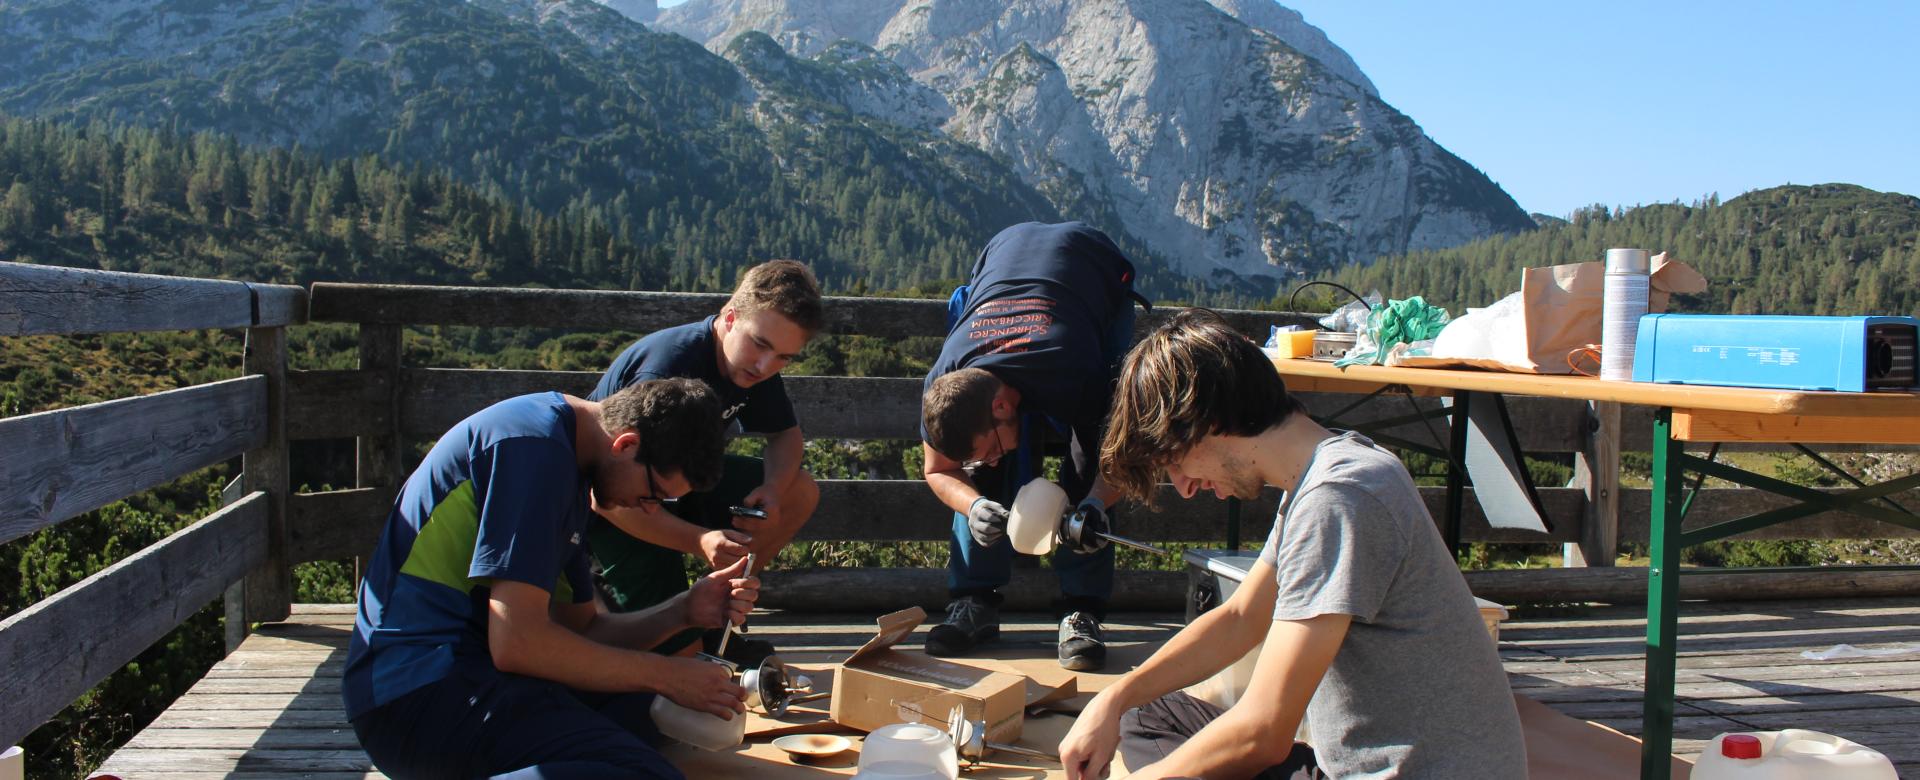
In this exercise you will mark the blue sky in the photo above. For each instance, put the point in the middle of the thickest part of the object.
(1629, 101)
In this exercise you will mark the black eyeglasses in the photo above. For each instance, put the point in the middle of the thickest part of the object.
(653, 490)
(999, 451)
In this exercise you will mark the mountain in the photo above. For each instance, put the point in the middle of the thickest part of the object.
(1822, 249)
(880, 142)
(1231, 137)
(566, 106)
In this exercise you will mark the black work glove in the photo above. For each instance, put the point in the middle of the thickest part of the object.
(987, 521)
(1093, 522)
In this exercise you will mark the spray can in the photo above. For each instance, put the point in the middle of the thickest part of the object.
(1628, 279)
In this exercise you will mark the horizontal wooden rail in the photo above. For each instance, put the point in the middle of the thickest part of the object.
(345, 523)
(64, 462)
(508, 307)
(886, 589)
(39, 299)
(54, 651)
(336, 524)
(340, 404)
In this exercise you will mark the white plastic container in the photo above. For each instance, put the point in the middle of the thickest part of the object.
(1033, 522)
(908, 751)
(699, 729)
(1792, 754)
(13, 764)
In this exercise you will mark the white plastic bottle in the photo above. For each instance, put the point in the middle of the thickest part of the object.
(1790, 754)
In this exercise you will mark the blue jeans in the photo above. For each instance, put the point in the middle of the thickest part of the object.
(480, 722)
(1086, 580)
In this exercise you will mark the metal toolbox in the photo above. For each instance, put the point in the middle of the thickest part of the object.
(1853, 354)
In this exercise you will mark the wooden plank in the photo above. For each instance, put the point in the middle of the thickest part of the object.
(336, 524)
(142, 763)
(68, 461)
(1306, 373)
(273, 738)
(261, 701)
(339, 524)
(278, 305)
(1625, 585)
(648, 311)
(338, 404)
(885, 590)
(267, 591)
(176, 718)
(1705, 425)
(1596, 473)
(53, 651)
(434, 399)
(167, 773)
(39, 299)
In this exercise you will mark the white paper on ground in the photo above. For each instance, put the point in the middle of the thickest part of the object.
(1849, 651)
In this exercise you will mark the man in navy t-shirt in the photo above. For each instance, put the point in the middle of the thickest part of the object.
(739, 353)
(1033, 345)
(477, 647)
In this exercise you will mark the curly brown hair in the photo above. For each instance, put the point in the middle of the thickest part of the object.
(1193, 377)
(782, 286)
(680, 424)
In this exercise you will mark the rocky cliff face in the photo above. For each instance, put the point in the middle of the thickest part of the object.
(1229, 136)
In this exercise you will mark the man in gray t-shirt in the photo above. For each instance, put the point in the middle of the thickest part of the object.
(1362, 620)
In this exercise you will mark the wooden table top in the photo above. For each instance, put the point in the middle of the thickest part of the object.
(1319, 376)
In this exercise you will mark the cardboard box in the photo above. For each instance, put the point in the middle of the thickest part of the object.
(879, 685)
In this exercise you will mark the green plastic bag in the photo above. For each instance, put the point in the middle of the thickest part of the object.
(1398, 322)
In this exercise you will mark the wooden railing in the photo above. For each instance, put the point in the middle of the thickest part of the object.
(62, 463)
(59, 464)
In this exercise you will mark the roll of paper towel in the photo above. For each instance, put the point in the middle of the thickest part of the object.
(13, 764)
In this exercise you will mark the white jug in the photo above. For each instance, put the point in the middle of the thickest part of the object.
(1791, 754)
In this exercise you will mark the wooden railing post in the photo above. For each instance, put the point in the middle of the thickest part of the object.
(1596, 471)
(266, 593)
(378, 458)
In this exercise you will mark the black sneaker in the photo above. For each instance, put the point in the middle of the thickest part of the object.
(970, 621)
(1082, 647)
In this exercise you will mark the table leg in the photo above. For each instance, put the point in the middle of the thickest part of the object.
(1663, 601)
(1456, 470)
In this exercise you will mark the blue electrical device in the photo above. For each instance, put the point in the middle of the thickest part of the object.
(1853, 354)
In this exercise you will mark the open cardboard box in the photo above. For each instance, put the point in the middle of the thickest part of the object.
(879, 685)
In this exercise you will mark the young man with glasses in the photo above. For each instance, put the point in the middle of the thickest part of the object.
(739, 353)
(478, 649)
(1033, 342)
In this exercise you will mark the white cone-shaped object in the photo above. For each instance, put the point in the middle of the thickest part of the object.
(1033, 523)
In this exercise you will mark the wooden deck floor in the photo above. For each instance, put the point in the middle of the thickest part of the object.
(272, 709)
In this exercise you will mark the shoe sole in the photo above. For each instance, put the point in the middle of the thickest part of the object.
(1080, 663)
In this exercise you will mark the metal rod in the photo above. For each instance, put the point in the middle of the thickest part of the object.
(1023, 751)
(1131, 543)
(726, 631)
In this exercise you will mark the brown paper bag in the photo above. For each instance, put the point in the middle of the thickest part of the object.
(1563, 303)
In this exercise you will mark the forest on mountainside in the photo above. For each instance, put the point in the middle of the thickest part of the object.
(1823, 249)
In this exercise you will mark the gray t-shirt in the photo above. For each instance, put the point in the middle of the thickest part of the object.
(1416, 689)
